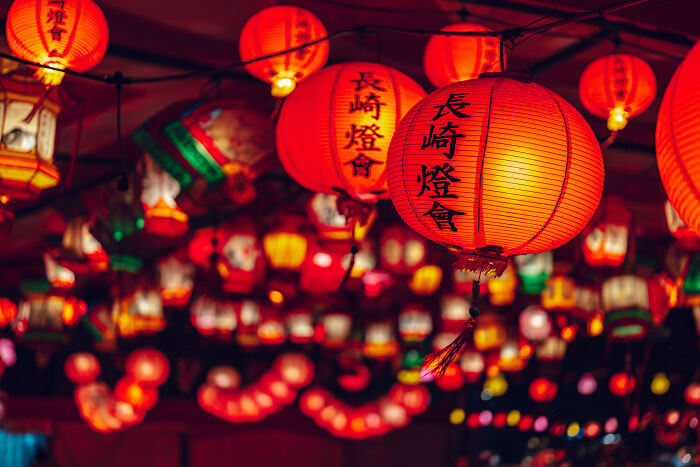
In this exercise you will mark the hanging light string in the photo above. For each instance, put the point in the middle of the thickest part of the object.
(509, 34)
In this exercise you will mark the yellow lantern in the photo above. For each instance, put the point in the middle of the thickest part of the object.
(426, 280)
(502, 289)
(489, 333)
(140, 313)
(551, 350)
(509, 359)
(660, 384)
(285, 248)
(496, 385)
(559, 294)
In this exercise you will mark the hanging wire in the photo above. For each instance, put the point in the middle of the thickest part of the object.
(123, 184)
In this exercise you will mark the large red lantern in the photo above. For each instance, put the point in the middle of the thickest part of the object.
(494, 167)
(617, 87)
(450, 59)
(280, 28)
(67, 34)
(334, 131)
(82, 368)
(148, 366)
(676, 140)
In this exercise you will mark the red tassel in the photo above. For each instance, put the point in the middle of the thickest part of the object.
(353, 209)
(438, 361)
(488, 260)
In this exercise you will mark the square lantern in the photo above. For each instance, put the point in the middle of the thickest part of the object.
(559, 294)
(140, 313)
(625, 301)
(502, 289)
(336, 329)
(379, 341)
(534, 270)
(27, 144)
(415, 324)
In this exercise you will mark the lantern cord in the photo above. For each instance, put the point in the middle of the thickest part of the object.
(123, 183)
(607, 142)
(438, 361)
(353, 253)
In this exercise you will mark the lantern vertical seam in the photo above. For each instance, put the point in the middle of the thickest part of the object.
(564, 182)
(633, 88)
(606, 87)
(483, 157)
(71, 38)
(450, 58)
(313, 50)
(39, 22)
(335, 158)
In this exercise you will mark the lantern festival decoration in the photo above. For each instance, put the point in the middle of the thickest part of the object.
(494, 200)
(462, 282)
(472, 364)
(249, 314)
(379, 341)
(131, 391)
(176, 278)
(140, 313)
(490, 332)
(510, 358)
(543, 390)
(274, 30)
(676, 145)
(70, 34)
(336, 329)
(535, 324)
(534, 271)
(401, 251)
(82, 368)
(333, 132)
(324, 268)
(551, 350)
(285, 247)
(605, 240)
(148, 366)
(586, 303)
(331, 224)
(426, 280)
(415, 324)
(299, 323)
(28, 130)
(8, 312)
(627, 302)
(621, 384)
(559, 294)
(271, 330)
(58, 276)
(162, 216)
(450, 59)
(212, 317)
(224, 377)
(81, 252)
(502, 289)
(617, 87)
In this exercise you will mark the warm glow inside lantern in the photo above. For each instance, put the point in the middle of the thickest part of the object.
(333, 132)
(379, 341)
(535, 323)
(605, 239)
(61, 34)
(450, 59)
(425, 280)
(543, 390)
(148, 366)
(495, 166)
(274, 30)
(401, 250)
(82, 368)
(502, 289)
(176, 278)
(625, 300)
(27, 147)
(140, 313)
(213, 317)
(285, 247)
(8, 312)
(490, 332)
(621, 384)
(559, 294)
(162, 216)
(415, 324)
(617, 87)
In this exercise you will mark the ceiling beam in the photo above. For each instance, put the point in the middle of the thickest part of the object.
(568, 52)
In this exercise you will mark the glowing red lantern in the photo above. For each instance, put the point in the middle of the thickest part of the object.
(133, 392)
(450, 59)
(532, 188)
(8, 311)
(415, 399)
(685, 235)
(415, 324)
(605, 239)
(621, 384)
(401, 250)
(490, 332)
(692, 394)
(336, 329)
(148, 366)
(162, 216)
(452, 379)
(348, 113)
(224, 377)
(295, 369)
(324, 267)
(82, 368)
(280, 28)
(472, 364)
(676, 144)
(617, 87)
(559, 295)
(70, 34)
(210, 316)
(543, 390)
(176, 278)
(271, 330)
(300, 324)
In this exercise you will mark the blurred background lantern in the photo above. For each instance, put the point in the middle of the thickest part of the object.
(534, 271)
(490, 332)
(81, 252)
(450, 59)
(617, 87)
(586, 303)
(345, 149)
(131, 391)
(679, 230)
(82, 368)
(324, 268)
(77, 39)
(279, 28)
(8, 312)
(415, 324)
(379, 341)
(496, 386)
(285, 247)
(176, 278)
(300, 325)
(148, 366)
(472, 364)
(605, 241)
(162, 216)
(336, 329)
(462, 281)
(140, 312)
(271, 330)
(502, 289)
(454, 312)
(552, 350)
(213, 317)
(331, 224)
(534, 323)
(625, 300)
(543, 390)
(621, 384)
(510, 359)
(249, 314)
(425, 280)
(401, 250)
(452, 379)
(559, 294)
(692, 394)
(295, 369)
(224, 377)
(58, 276)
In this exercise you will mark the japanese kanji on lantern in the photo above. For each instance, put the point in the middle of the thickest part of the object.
(274, 30)
(334, 131)
(57, 33)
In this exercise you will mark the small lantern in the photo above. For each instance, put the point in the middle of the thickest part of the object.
(534, 270)
(148, 366)
(621, 384)
(415, 324)
(212, 317)
(559, 294)
(543, 390)
(606, 239)
(401, 250)
(692, 394)
(27, 147)
(8, 312)
(552, 349)
(535, 323)
(375, 282)
(426, 280)
(324, 268)
(300, 324)
(58, 276)
(176, 279)
(509, 358)
(240, 263)
(81, 252)
(625, 300)
(140, 313)
(162, 216)
(331, 224)
(502, 289)
(454, 312)
(336, 329)
(224, 377)
(249, 316)
(379, 341)
(489, 333)
(586, 303)
(285, 247)
(132, 392)
(473, 365)
(271, 329)
(47, 313)
(452, 379)
(679, 230)
(82, 368)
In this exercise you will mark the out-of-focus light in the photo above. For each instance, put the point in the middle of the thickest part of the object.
(595, 326)
(672, 417)
(492, 370)
(609, 439)
(486, 395)
(525, 423)
(610, 425)
(513, 418)
(568, 333)
(275, 297)
(660, 384)
(592, 429)
(485, 417)
(541, 423)
(497, 385)
(499, 420)
(473, 420)
(457, 416)
(587, 385)
(573, 429)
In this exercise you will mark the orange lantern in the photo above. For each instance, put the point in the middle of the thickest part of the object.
(621, 384)
(510, 359)
(617, 87)
(502, 289)
(494, 167)
(271, 330)
(67, 34)
(8, 311)
(279, 28)
(379, 341)
(426, 280)
(450, 59)
(489, 333)
(82, 368)
(605, 239)
(543, 390)
(559, 294)
(162, 216)
(401, 250)
(336, 329)
(133, 392)
(676, 142)
(148, 366)
(347, 114)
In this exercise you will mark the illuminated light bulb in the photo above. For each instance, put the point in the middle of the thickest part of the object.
(276, 297)
(672, 417)
(457, 416)
(322, 260)
(492, 371)
(660, 384)
(618, 119)
(497, 385)
(282, 86)
(513, 418)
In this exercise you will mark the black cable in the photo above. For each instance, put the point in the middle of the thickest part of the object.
(123, 184)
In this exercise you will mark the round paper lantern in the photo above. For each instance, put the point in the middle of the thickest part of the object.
(415, 324)
(676, 142)
(148, 366)
(333, 132)
(280, 28)
(140, 396)
(494, 167)
(295, 369)
(8, 311)
(450, 59)
(621, 384)
(617, 87)
(62, 34)
(535, 324)
(224, 377)
(692, 394)
(543, 390)
(82, 368)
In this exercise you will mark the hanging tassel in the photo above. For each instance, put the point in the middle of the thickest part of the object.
(38, 104)
(353, 253)
(353, 209)
(438, 361)
(488, 260)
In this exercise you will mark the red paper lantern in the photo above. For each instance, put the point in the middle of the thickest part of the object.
(300, 324)
(692, 394)
(617, 87)
(280, 28)
(450, 59)
(271, 330)
(621, 384)
(324, 267)
(8, 311)
(543, 390)
(162, 216)
(347, 114)
(676, 141)
(148, 366)
(224, 377)
(82, 368)
(401, 250)
(69, 34)
(605, 239)
(133, 392)
(521, 166)
(452, 379)
(295, 369)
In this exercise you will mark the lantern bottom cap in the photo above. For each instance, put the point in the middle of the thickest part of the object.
(488, 260)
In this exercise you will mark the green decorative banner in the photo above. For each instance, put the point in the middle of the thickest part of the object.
(170, 165)
(195, 153)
